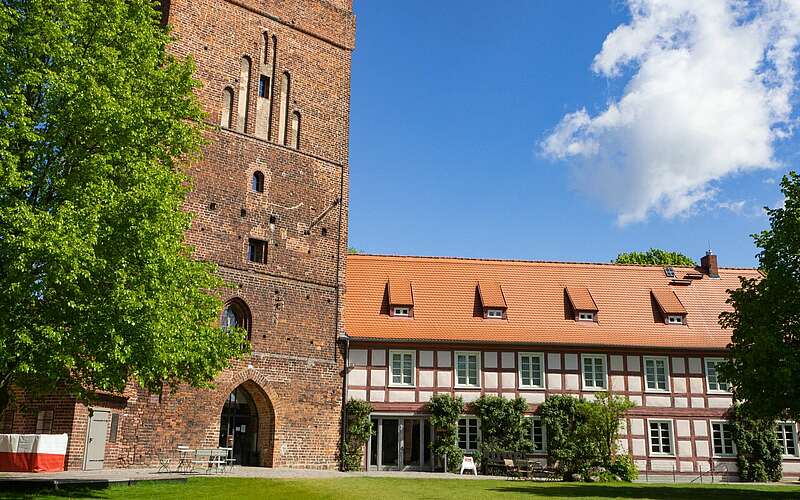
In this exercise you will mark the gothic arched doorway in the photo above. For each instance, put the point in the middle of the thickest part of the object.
(239, 428)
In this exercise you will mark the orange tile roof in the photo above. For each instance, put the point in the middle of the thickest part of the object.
(445, 300)
(668, 302)
(581, 298)
(491, 295)
(400, 292)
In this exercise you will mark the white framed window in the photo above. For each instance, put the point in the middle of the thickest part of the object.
(656, 374)
(401, 311)
(538, 435)
(595, 376)
(722, 439)
(660, 437)
(675, 320)
(44, 422)
(402, 367)
(531, 370)
(585, 316)
(468, 369)
(468, 433)
(712, 376)
(494, 313)
(787, 437)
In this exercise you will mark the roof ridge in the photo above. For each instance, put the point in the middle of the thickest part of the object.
(530, 261)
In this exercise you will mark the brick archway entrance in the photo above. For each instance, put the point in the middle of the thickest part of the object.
(247, 423)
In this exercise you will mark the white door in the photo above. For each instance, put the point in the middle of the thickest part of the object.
(96, 439)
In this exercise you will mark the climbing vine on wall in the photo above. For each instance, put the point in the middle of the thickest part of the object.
(758, 453)
(445, 411)
(359, 430)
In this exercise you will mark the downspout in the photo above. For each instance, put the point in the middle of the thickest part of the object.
(343, 432)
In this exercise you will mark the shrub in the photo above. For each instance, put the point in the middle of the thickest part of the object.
(359, 430)
(758, 453)
(624, 468)
(445, 411)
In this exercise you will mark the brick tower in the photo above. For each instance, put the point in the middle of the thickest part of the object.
(270, 198)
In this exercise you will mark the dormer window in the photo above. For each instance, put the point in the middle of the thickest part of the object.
(494, 313)
(674, 320)
(585, 316)
(401, 298)
(400, 311)
(671, 307)
(583, 305)
(493, 301)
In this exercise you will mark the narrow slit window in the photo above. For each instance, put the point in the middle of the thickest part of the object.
(263, 87)
(284, 108)
(295, 137)
(258, 182)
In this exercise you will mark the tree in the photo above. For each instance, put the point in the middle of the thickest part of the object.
(359, 430)
(567, 445)
(97, 125)
(603, 418)
(445, 411)
(758, 453)
(503, 424)
(655, 257)
(764, 364)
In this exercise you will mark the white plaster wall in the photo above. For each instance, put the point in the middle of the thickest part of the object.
(444, 358)
(679, 385)
(378, 357)
(700, 428)
(634, 383)
(616, 363)
(658, 401)
(678, 366)
(662, 465)
(639, 447)
(684, 448)
(571, 381)
(682, 428)
(377, 378)
(357, 394)
(553, 361)
(553, 381)
(444, 379)
(425, 396)
(426, 378)
(702, 448)
(696, 385)
(698, 403)
(469, 396)
(490, 380)
(681, 403)
(401, 396)
(357, 377)
(508, 359)
(358, 357)
(633, 364)
(507, 379)
(617, 382)
(426, 359)
(490, 359)
(721, 402)
(695, 366)
(377, 396)
(687, 466)
(533, 397)
(636, 399)
(637, 426)
(571, 361)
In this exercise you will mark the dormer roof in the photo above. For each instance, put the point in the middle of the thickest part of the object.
(668, 302)
(400, 293)
(491, 295)
(581, 299)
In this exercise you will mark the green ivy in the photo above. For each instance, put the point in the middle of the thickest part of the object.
(504, 427)
(445, 411)
(757, 448)
(359, 430)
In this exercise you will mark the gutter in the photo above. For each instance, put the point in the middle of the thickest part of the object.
(343, 431)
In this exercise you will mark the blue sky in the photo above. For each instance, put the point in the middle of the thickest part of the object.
(451, 102)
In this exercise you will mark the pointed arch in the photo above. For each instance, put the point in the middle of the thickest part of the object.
(294, 140)
(236, 313)
(226, 115)
(286, 85)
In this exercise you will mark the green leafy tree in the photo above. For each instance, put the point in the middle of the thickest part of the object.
(97, 124)
(602, 420)
(504, 427)
(359, 430)
(758, 453)
(655, 257)
(445, 411)
(568, 441)
(764, 365)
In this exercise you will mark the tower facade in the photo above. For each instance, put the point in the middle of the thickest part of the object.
(270, 198)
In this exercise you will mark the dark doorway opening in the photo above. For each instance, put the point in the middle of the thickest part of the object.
(238, 428)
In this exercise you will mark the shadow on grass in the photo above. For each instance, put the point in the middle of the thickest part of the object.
(64, 491)
(652, 491)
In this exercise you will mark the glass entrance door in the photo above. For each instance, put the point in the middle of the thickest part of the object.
(401, 443)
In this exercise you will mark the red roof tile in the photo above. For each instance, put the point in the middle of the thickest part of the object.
(444, 302)
(581, 299)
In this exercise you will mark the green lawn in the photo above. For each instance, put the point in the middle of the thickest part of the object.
(399, 488)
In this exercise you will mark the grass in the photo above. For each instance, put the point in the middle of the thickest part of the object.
(401, 488)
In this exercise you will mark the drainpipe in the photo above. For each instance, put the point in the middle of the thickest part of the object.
(345, 339)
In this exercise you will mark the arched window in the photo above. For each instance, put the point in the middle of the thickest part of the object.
(294, 140)
(258, 182)
(266, 48)
(236, 313)
(284, 109)
(244, 97)
(227, 108)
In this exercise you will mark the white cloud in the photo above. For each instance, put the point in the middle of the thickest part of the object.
(737, 207)
(709, 93)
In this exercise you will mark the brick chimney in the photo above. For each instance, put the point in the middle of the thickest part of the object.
(709, 265)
